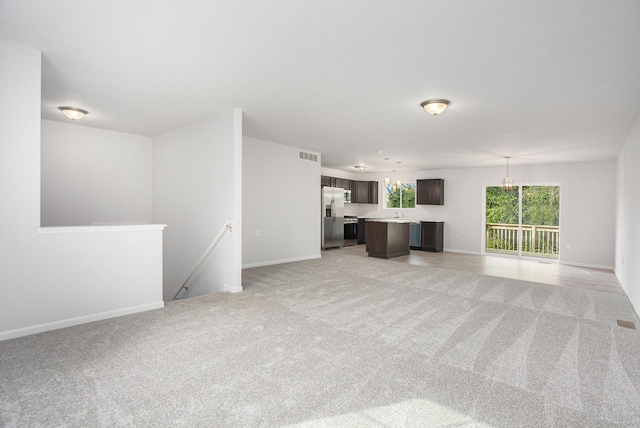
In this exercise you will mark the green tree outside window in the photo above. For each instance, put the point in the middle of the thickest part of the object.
(540, 205)
(403, 197)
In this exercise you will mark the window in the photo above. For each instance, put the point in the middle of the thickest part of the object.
(402, 197)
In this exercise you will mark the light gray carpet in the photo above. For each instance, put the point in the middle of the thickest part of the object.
(339, 341)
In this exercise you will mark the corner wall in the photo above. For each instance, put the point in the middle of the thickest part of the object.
(54, 280)
(19, 187)
(627, 260)
(281, 204)
(197, 182)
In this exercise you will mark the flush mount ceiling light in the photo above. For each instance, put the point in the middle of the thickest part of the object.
(73, 113)
(507, 182)
(360, 168)
(435, 107)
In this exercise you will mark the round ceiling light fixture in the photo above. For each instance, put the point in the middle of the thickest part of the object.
(73, 113)
(360, 168)
(435, 107)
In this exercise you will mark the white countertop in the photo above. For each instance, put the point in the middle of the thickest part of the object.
(400, 220)
(394, 220)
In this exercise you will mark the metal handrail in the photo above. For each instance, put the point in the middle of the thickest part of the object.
(227, 226)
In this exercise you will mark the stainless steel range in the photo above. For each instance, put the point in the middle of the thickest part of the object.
(350, 230)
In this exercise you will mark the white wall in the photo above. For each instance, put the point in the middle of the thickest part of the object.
(586, 206)
(197, 182)
(19, 144)
(281, 203)
(94, 176)
(52, 280)
(627, 263)
(83, 274)
(19, 185)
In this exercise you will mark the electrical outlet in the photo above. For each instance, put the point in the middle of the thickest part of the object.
(258, 233)
(568, 245)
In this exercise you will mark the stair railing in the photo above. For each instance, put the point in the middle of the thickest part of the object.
(227, 226)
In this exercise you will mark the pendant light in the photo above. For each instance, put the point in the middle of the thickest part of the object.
(507, 182)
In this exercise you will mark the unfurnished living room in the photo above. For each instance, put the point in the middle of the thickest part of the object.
(305, 214)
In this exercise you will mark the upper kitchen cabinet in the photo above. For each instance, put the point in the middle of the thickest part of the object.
(362, 192)
(373, 192)
(343, 183)
(430, 192)
(327, 181)
(366, 192)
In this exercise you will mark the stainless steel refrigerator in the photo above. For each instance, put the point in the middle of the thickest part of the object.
(332, 217)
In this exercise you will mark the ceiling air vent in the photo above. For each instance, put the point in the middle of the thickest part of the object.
(309, 156)
(626, 324)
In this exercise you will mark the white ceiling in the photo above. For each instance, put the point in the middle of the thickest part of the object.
(543, 81)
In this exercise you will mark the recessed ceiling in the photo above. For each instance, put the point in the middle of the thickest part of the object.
(541, 81)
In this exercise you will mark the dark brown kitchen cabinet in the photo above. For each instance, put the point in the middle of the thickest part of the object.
(362, 192)
(362, 231)
(343, 184)
(373, 192)
(336, 182)
(366, 192)
(432, 235)
(430, 192)
(387, 239)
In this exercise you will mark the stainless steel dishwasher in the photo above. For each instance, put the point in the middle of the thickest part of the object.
(415, 236)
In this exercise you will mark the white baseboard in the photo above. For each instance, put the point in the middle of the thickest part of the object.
(232, 289)
(278, 262)
(475, 253)
(70, 322)
(586, 265)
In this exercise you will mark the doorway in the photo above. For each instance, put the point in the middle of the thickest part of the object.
(524, 221)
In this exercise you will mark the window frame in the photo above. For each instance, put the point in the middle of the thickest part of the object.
(387, 191)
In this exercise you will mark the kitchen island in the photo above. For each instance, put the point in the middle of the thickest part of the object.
(388, 237)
